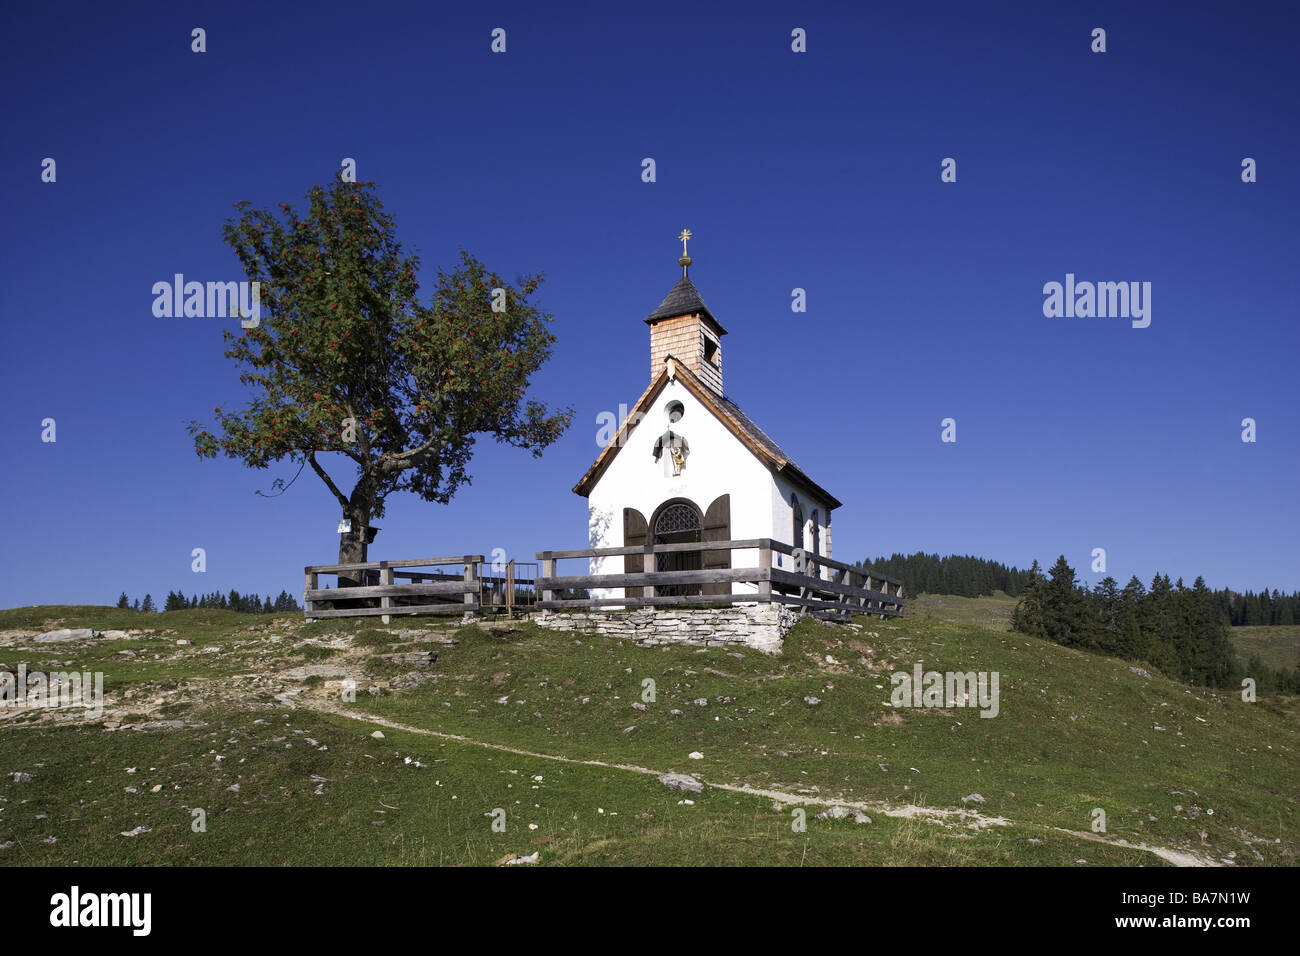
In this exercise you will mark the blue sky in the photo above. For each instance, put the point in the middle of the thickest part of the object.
(817, 170)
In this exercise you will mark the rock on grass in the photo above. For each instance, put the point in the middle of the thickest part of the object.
(681, 781)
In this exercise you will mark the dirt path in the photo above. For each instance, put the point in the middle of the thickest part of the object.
(1176, 857)
(967, 818)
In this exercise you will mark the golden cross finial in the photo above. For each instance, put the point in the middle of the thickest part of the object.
(685, 260)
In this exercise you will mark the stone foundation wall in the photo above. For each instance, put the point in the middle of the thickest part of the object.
(760, 626)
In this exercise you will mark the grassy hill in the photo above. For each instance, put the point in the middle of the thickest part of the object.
(993, 612)
(245, 723)
(1278, 646)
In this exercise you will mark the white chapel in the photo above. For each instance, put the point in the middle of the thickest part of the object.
(688, 465)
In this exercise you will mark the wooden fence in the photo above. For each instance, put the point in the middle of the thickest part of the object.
(429, 591)
(814, 584)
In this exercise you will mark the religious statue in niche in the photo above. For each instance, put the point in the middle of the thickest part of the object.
(677, 449)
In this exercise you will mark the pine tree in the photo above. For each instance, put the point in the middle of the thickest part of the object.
(124, 602)
(136, 605)
(1028, 617)
(1064, 615)
(1132, 644)
(1107, 600)
(1159, 622)
(148, 607)
(286, 603)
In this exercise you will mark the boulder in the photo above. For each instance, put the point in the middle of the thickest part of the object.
(420, 660)
(839, 813)
(681, 781)
(65, 634)
(410, 680)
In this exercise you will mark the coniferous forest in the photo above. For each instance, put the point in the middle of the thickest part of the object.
(962, 575)
(1182, 631)
(969, 576)
(234, 601)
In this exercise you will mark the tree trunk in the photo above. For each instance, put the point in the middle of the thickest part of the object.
(354, 548)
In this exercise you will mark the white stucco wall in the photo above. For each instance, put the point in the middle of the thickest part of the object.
(782, 520)
(718, 464)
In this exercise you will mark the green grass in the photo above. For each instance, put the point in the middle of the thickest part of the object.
(1075, 732)
(993, 612)
(1277, 646)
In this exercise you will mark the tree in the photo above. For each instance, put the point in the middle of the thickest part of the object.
(1064, 616)
(148, 607)
(1132, 643)
(124, 602)
(1106, 599)
(136, 605)
(1028, 617)
(1215, 655)
(285, 602)
(348, 360)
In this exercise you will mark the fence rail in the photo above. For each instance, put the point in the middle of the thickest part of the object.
(815, 585)
(442, 594)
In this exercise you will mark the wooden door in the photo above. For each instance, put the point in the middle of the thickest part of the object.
(717, 527)
(634, 536)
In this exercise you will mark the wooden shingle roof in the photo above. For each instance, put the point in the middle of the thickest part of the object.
(683, 299)
(727, 412)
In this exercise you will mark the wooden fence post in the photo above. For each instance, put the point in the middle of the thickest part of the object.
(548, 571)
(386, 601)
(765, 571)
(309, 584)
(510, 589)
(473, 588)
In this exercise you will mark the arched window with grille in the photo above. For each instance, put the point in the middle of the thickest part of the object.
(677, 522)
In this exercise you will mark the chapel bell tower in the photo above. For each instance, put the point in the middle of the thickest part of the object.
(684, 328)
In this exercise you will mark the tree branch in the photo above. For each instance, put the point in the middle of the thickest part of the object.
(407, 459)
(311, 458)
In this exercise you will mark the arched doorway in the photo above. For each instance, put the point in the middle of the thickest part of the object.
(677, 522)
